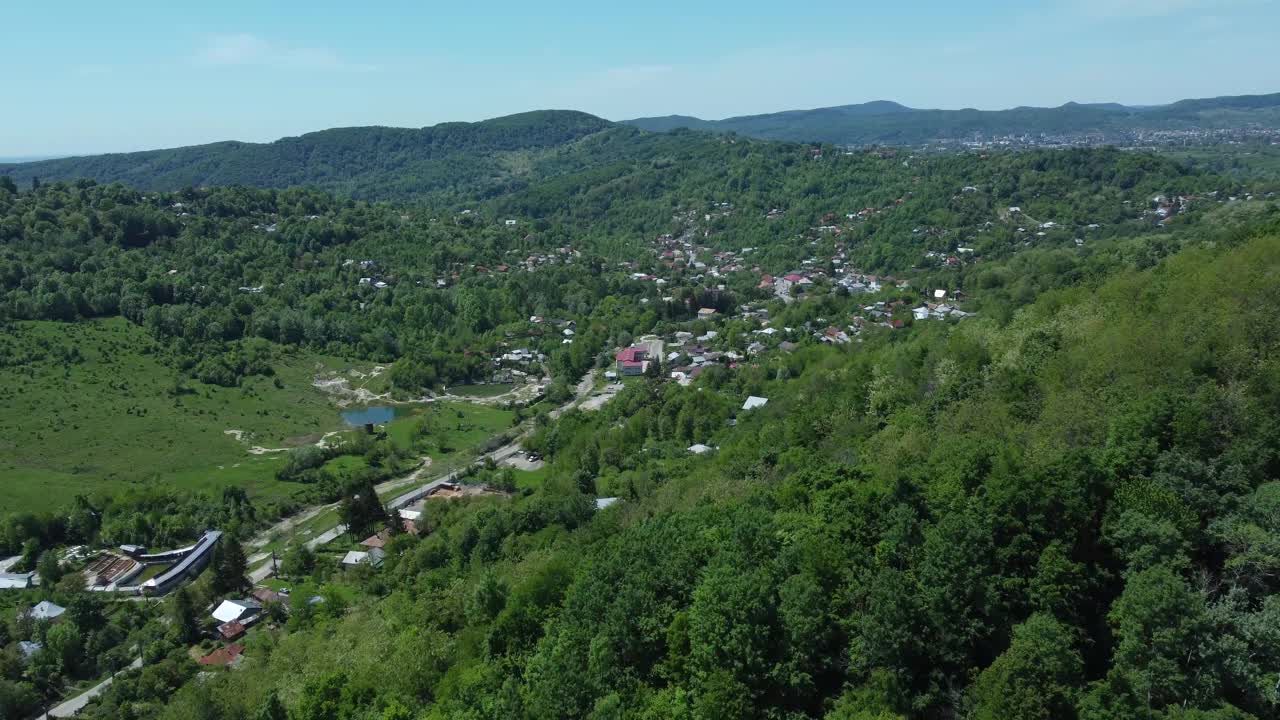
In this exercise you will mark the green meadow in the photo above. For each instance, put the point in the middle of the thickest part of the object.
(95, 406)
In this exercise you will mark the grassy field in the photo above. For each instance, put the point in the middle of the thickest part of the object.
(482, 391)
(149, 572)
(112, 418)
(532, 479)
(457, 425)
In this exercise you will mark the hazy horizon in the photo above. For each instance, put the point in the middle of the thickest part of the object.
(146, 76)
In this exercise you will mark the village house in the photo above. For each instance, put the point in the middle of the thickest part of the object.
(45, 611)
(378, 540)
(232, 630)
(236, 610)
(223, 657)
(354, 558)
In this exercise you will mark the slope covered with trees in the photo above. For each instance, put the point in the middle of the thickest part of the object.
(998, 520)
(362, 161)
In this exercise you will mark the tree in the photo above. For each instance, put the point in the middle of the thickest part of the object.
(1159, 622)
(230, 566)
(1035, 679)
(183, 617)
(361, 510)
(722, 696)
(731, 623)
(49, 568)
(63, 646)
(17, 699)
(30, 553)
(83, 521)
(298, 561)
(86, 611)
(271, 708)
(487, 599)
(322, 697)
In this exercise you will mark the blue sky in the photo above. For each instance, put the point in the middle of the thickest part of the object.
(87, 77)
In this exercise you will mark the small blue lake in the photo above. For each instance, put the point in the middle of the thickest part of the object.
(376, 414)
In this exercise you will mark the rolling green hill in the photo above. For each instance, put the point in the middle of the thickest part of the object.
(889, 123)
(364, 162)
(457, 162)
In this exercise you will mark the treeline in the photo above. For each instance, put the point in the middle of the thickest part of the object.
(149, 515)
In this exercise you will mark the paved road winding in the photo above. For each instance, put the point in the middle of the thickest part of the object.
(72, 707)
(265, 569)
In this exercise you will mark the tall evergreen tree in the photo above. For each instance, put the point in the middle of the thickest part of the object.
(232, 573)
(49, 568)
(183, 617)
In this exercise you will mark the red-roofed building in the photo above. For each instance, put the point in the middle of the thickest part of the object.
(631, 360)
(377, 541)
(231, 630)
(222, 657)
(267, 595)
(793, 277)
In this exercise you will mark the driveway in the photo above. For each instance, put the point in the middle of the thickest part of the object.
(72, 707)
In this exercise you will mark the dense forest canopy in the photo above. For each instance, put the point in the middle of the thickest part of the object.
(1061, 502)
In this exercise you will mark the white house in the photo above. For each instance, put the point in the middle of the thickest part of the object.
(356, 557)
(233, 610)
(602, 503)
(699, 449)
(46, 611)
(754, 402)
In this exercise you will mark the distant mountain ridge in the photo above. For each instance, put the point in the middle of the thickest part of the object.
(371, 162)
(456, 162)
(887, 122)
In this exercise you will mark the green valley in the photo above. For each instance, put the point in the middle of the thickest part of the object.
(674, 425)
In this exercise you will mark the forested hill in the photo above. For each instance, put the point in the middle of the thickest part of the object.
(887, 122)
(367, 162)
